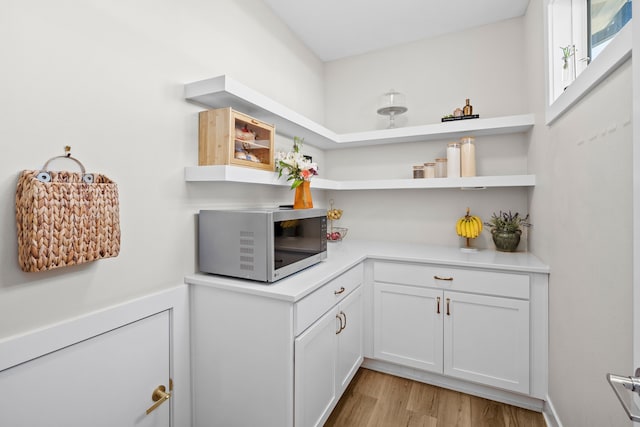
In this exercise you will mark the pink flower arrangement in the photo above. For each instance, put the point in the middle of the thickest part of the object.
(298, 167)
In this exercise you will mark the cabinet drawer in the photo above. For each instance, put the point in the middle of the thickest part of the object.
(310, 308)
(512, 285)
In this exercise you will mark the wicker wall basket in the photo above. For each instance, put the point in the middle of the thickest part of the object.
(65, 218)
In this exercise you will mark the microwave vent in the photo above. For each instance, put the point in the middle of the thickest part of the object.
(247, 243)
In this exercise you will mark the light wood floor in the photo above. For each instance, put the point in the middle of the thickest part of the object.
(381, 400)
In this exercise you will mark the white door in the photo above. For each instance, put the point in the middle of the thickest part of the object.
(408, 326)
(315, 371)
(107, 380)
(486, 340)
(349, 339)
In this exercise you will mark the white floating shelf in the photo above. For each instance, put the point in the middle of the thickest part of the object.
(223, 91)
(255, 176)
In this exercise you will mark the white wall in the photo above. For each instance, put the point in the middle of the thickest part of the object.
(582, 204)
(484, 64)
(106, 77)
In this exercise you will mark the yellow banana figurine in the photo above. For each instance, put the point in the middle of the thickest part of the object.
(469, 226)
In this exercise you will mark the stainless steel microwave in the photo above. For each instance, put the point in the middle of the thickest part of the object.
(261, 244)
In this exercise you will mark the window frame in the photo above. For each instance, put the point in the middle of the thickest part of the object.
(588, 77)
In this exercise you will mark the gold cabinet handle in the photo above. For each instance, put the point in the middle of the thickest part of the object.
(449, 279)
(159, 396)
(340, 328)
(339, 291)
(344, 316)
(438, 306)
(448, 308)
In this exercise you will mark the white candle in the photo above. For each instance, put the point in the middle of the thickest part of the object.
(453, 160)
(468, 156)
(441, 168)
(429, 170)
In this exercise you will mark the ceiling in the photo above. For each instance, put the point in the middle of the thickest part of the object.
(335, 29)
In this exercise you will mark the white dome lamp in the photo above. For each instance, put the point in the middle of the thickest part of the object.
(391, 104)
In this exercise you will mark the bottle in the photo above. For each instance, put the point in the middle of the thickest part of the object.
(418, 171)
(467, 110)
(453, 160)
(467, 156)
(441, 168)
(429, 170)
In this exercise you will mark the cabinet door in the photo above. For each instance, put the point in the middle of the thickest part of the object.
(106, 380)
(408, 326)
(315, 371)
(349, 339)
(486, 340)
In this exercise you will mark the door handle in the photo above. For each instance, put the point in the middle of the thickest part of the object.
(340, 328)
(448, 306)
(159, 396)
(623, 388)
(438, 306)
(342, 318)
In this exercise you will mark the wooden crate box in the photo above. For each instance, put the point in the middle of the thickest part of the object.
(228, 137)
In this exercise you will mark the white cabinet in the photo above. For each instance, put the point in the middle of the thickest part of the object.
(278, 353)
(439, 319)
(278, 347)
(101, 369)
(408, 326)
(349, 339)
(327, 355)
(315, 372)
(486, 340)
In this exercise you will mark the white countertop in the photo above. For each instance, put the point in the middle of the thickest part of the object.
(344, 255)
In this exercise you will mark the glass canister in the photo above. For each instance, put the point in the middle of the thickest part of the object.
(418, 171)
(441, 168)
(453, 160)
(468, 156)
(429, 170)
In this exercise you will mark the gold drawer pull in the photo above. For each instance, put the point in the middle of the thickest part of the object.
(449, 279)
(339, 291)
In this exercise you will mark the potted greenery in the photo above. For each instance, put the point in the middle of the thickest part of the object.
(506, 229)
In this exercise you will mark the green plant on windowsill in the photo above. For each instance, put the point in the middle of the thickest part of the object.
(567, 52)
(506, 229)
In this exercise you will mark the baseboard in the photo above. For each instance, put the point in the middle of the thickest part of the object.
(491, 393)
(550, 415)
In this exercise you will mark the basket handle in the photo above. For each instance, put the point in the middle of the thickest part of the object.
(45, 176)
(82, 169)
(67, 155)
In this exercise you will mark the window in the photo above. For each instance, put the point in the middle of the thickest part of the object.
(605, 19)
(579, 32)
